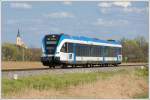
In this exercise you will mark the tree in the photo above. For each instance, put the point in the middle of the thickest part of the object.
(135, 50)
(11, 52)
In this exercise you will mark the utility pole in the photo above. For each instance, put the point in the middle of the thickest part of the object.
(22, 54)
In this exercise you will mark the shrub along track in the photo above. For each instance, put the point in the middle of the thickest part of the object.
(11, 73)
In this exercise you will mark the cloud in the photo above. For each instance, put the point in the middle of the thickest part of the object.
(59, 15)
(54, 29)
(67, 2)
(10, 21)
(135, 10)
(24, 21)
(105, 10)
(123, 4)
(126, 7)
(32, 28)
(20, 5)
(105, 4)
(110, 23)
(102, 22)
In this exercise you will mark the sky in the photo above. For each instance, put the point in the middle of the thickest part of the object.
(96, 19)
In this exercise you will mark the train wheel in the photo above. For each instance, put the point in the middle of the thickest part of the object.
(74, 66)
(85, 65)
(116, 65)
(107, 65)
(88, 65)
(64, 66)
(50, 66)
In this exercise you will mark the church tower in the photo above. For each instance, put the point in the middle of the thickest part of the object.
(18, 39)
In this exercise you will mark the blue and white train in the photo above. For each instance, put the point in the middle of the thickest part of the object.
(61, 49)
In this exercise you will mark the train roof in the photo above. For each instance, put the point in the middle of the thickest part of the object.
(82, 38)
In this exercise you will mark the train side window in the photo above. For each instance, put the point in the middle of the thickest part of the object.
(70, 47)
(110, 51)
(95, 51)
(119, 51)
(77, 50)
(106, 51)
(100, 51)
(116, 50)
(88, 50)
(80, 49)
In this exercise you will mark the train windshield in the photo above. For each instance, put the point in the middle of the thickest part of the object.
(51, 42)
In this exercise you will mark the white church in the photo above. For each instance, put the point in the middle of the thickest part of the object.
(19, 41)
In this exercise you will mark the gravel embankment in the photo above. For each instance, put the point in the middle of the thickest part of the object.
(21, 73)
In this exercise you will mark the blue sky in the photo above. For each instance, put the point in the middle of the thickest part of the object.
(103, 20)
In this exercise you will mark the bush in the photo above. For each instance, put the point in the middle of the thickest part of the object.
(135, 50)
(12, 52)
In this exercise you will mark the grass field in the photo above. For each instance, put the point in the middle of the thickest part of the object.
(120, 84)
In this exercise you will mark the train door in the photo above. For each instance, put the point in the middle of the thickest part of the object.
(74, 52)
(120, 54)
(63, 53)
(67, 52)
(119, 57)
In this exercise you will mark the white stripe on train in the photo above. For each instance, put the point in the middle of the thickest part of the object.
(84, 42)
(65, 57)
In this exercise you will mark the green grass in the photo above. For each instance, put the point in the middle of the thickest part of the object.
(141, 96)
(55, 81)
(142, 73)
(63, 81)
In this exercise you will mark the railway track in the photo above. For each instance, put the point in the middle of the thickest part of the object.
(38, 71)
(58, 67)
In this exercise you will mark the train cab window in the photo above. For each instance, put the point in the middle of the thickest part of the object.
(67, 48)
(64, 48)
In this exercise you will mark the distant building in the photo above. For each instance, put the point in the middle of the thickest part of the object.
(19, 41)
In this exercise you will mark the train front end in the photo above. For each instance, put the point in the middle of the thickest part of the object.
(49, 45)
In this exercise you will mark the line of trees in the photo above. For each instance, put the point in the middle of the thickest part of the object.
(135, 50)
(12, 52)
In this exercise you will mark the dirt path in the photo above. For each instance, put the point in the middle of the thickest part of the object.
(21, 65)
(120, 86)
